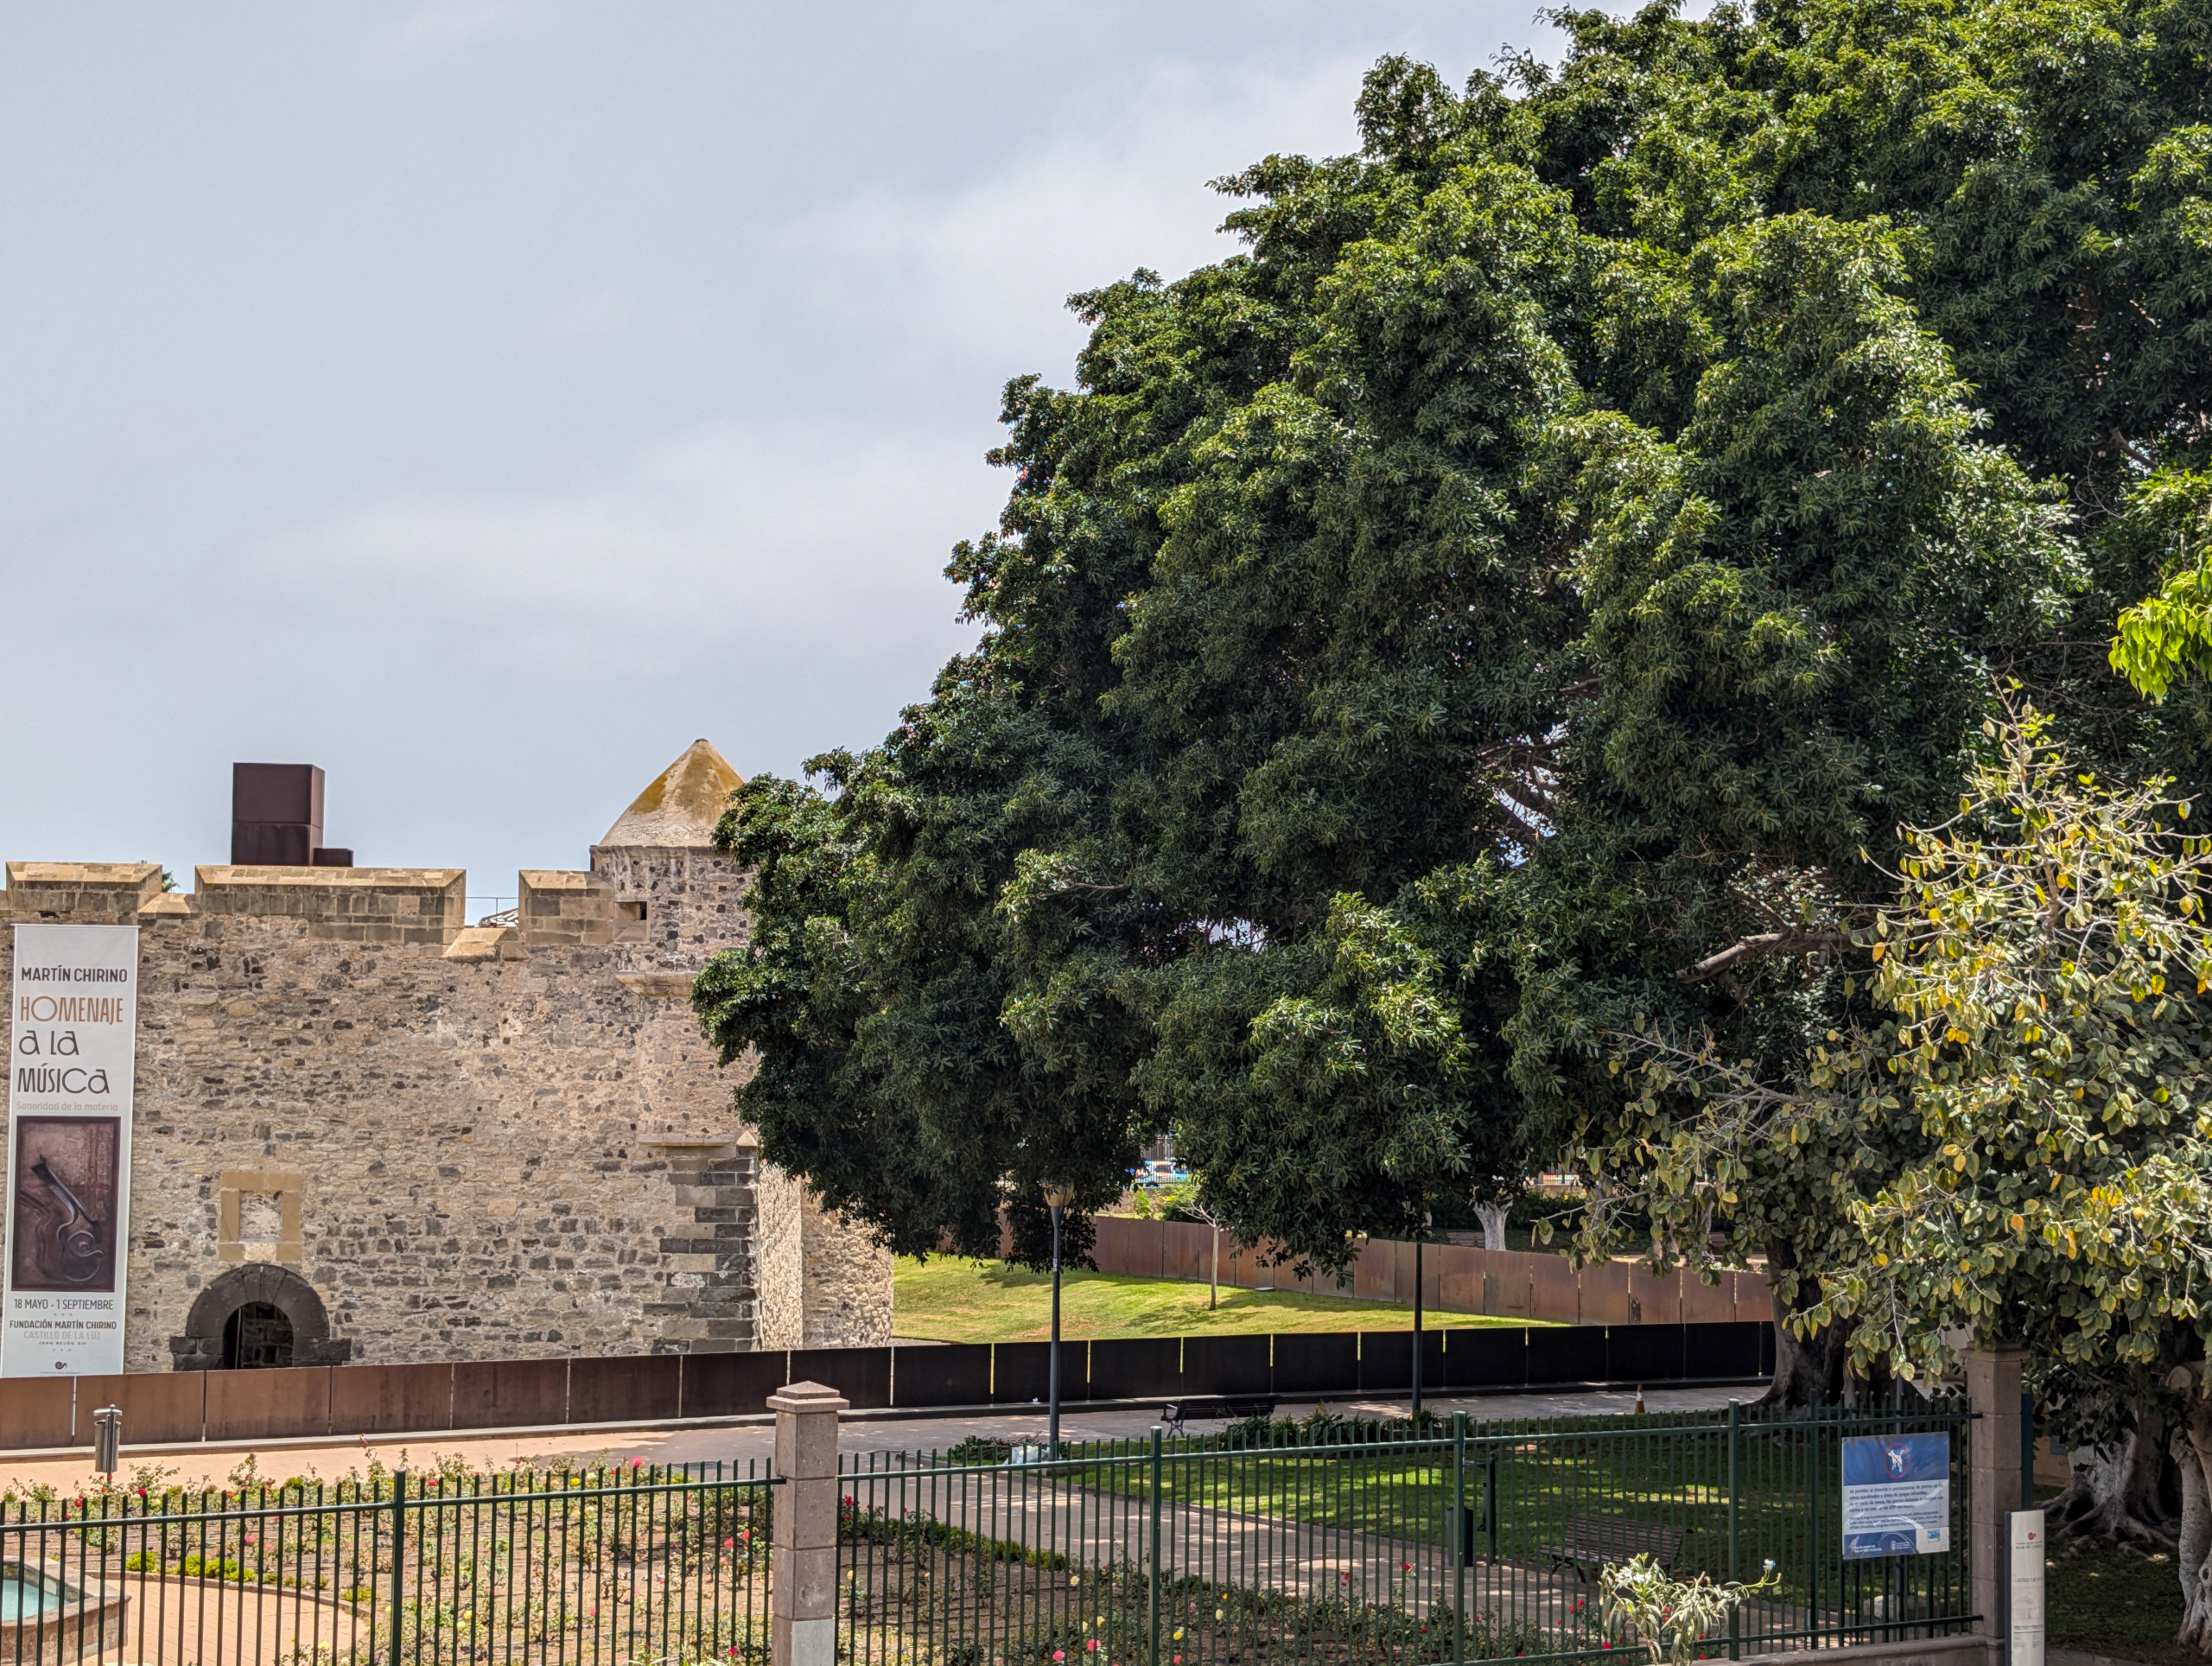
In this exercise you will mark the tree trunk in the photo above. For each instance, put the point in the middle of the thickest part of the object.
(2193, 1451)
(2114, 1491)
(1213, 1292)
(1808, 1371)
(1492, 1215)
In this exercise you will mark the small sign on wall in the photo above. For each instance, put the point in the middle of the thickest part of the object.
(1896, 1494)
(73, 1053)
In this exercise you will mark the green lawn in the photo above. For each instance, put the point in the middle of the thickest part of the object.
(1669, 1469)
(2112, 1600)
(948, 1299)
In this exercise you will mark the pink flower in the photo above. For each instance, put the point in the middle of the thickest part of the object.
(1406, 1567)
(1090, 1643)
(1059, 1654)
(728, 1543)
(637, 1463)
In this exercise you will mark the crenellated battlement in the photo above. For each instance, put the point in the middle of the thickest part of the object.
(557, 908)
(81, 892)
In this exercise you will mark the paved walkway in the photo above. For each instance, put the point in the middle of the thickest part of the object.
(211, 1465)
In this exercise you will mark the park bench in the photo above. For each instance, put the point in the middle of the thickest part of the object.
(1593, 1541)
(1224, 1407)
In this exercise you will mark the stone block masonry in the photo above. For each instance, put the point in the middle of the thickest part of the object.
(423, 1139)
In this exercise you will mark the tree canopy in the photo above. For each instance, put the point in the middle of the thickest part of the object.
(1526, 591)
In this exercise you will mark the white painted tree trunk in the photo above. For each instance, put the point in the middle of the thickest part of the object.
(2114, 1491)
(2193, 1451)
(1213, 1291)
(1492, 1215)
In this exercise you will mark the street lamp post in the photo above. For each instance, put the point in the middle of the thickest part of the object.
(1417, 1246)
(1058, 1197)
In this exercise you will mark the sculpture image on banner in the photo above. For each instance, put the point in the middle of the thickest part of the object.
(1896, 1494)
(72, 1060)
(68, 1173)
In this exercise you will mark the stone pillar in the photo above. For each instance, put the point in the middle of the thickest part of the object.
(802, 1577)
(1993, 1389)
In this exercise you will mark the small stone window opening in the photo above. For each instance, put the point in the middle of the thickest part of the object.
(633, 910)
(256, 1338)
(258, 1216)
(261, 1218)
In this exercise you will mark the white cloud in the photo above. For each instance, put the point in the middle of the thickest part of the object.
(828, 531)
(443, 26)
(733, 535)
(977, 277)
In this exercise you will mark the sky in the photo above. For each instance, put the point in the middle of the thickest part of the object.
(484, 398)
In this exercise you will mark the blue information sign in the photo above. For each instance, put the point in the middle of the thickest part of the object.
(1896, 1494)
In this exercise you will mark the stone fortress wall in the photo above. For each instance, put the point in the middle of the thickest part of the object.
(421, 1139)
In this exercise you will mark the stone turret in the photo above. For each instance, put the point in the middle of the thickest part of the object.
(658, 861)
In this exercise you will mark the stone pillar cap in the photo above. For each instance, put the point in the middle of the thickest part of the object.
(807, 1396)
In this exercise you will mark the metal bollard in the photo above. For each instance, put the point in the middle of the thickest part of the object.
(107, 1438)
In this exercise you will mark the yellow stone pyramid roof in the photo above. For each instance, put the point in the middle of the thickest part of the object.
(681, 807)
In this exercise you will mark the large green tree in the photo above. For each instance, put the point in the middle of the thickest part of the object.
(1526, 589)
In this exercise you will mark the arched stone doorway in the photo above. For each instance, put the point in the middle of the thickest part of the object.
(256, 1336)
(257, 1315)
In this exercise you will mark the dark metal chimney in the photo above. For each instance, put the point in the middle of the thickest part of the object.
(277, 817)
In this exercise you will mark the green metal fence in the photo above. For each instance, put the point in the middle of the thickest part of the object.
(595, 1565)
(1466, 1541)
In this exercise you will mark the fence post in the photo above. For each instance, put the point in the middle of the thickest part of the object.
(1458, 1536)
(398, 1560)
(1735, 1523)
(802, 1571)
(1153, 1595)
(1993, 1390)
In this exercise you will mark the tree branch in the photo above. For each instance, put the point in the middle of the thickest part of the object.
(1761, 947)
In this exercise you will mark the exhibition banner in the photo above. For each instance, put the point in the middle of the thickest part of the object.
(1896, 1494)
(72, 1060)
